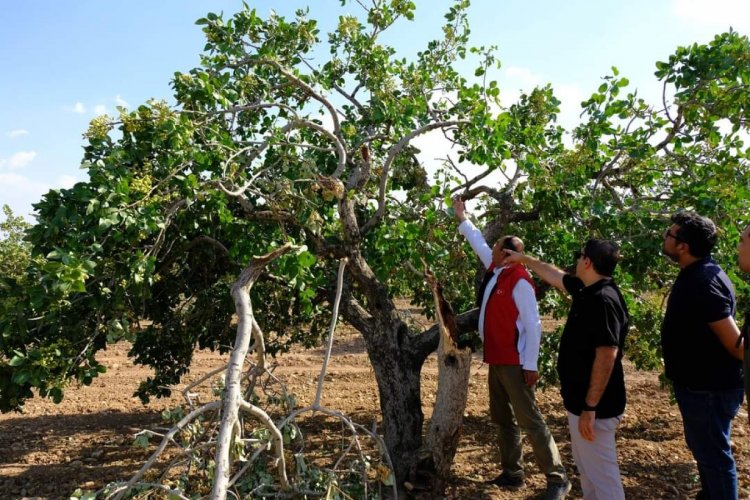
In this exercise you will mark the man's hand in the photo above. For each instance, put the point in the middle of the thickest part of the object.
(511, 256)
(459, 208)
(586, 425)
(530, 377)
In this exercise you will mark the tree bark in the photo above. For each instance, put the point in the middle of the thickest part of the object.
(233, 401)
(399, 388)
(453, 389)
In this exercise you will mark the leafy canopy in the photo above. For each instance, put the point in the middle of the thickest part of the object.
(269, 142)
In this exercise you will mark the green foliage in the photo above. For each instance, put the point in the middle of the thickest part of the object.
(15, 253)
(180, 198)
(547, 363)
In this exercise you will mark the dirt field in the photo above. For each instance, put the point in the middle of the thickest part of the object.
(86, 441)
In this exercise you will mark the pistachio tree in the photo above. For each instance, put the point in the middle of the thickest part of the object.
(14, 251)
(274, 140)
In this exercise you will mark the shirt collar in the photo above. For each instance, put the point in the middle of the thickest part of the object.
(696, 265)
(595, 287)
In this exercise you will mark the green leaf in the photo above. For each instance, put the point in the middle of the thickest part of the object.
(305, 259)
(21, 377)
(56, 394)
(141, 440)
(17, 360)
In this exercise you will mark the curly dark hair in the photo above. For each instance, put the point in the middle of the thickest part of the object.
(698, 232)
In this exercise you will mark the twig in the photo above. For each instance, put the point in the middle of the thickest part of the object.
(167, 438)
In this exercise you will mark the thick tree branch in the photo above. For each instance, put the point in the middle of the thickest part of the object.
(392, 153)
(233, 400)
(421, 345)
(362, 172)
(474, 192)
(353, 312)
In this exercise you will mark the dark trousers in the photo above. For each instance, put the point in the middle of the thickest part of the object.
(707, 419)
(513, 408)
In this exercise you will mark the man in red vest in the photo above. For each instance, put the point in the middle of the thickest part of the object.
(511, 331)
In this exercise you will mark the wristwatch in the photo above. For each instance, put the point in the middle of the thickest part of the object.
(587, 407)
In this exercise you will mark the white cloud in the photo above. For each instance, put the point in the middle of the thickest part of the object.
(100, 109)
(121, 102)
(78, 108)
(19, 192)
(570, 97)
(714, 13)
(18, 160)
(66, 181)
(524, 76)
(18, 132)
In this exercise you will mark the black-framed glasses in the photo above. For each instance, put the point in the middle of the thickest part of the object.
(578, 254)
(670, 234)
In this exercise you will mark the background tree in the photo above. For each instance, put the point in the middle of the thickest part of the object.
(269, 144)
(14, 251)
(15, 256)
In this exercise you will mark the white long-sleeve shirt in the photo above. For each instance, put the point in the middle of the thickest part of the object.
(528, 323)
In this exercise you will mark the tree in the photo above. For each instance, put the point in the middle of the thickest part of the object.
(15, 256)
(269, 145)
(14, 251)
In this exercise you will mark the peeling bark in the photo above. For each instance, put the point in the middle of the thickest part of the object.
(441, 443)
(233, 400)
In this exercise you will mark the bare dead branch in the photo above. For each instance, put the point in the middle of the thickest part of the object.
(233, 400)
(165, 441)
(331, 329)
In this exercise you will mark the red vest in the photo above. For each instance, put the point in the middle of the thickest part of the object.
(500, 316)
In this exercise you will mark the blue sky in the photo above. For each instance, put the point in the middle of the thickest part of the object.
(65, 62)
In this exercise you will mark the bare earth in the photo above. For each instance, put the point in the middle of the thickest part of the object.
(86, 441)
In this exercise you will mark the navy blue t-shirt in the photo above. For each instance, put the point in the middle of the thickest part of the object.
(598, 317)
(693, 354)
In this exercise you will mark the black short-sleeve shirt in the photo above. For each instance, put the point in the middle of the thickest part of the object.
(598, 317)
(693, 355)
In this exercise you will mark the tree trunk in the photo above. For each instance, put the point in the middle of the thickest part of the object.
(453, 390)
(421, 465)
(397, 358)
(398, 379)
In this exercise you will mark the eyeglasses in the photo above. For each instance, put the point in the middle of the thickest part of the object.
(670, 234)
(578, 254)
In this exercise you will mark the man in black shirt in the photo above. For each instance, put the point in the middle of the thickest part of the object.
(702, 357)
(590, 362)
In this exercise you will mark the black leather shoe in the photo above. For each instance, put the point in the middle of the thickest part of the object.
(506, 480)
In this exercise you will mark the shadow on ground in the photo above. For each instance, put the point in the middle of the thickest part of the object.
(45, 456)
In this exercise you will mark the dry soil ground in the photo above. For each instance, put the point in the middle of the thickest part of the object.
(49, 450)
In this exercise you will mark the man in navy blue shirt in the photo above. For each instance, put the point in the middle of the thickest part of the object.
(702, 358)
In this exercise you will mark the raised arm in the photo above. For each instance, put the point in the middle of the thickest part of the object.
(547, 272)
(472, 234)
